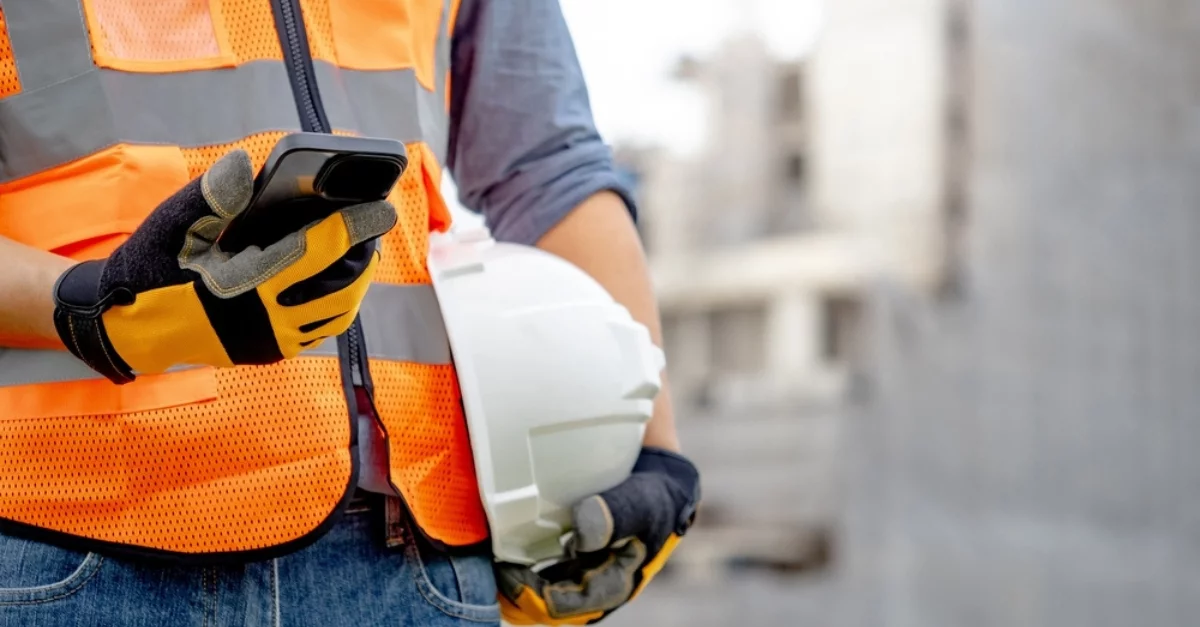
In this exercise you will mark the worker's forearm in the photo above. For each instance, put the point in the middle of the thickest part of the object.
(599, 237)
(26, 295)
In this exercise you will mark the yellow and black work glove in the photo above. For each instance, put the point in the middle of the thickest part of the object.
(169, 296)
(621, 539)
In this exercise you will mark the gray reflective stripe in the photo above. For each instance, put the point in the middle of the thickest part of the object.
(441, 52)
(435, 122)
(401, 323)
(404, 323)
(201, 108)
(437, 111)
(92, 111)
(49, 127)
(68, 108)
(384, 104)
(49, 41)
(22, 367)
(327, 348)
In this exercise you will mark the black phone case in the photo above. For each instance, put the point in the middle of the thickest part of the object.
(267, 221)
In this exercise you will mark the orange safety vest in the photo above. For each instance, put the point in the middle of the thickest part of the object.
(109, 106)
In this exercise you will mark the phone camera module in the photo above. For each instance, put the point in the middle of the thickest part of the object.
(357, 177)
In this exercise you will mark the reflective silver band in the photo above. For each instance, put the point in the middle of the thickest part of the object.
(68, 108)
(25, 367)
(441, 53)
(92, 111)
(401, 323)
(101, 108)
(438, 111)
(49, 41)
(404, 323)
(384, 104)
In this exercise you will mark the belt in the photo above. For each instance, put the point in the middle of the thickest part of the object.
(395, 517)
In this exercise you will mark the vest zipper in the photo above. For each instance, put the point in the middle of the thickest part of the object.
(297, 57)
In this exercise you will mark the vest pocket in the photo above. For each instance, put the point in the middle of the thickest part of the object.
(86, 395)
(387, 35)
(86, 208)
(157, 35)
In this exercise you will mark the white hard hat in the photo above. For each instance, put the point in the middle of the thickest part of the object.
(557, 379)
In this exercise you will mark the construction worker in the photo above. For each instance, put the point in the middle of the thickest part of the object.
(275, 438)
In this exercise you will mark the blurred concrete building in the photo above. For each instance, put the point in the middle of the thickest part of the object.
(995, 239)
(816, 175)
(743, 271)
(751, 294)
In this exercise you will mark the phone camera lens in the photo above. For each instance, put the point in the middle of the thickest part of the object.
(358, 177)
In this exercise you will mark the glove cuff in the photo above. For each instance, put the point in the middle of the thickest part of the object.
(78, 312)
(681, 470)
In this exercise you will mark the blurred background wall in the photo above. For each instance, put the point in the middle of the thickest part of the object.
(1025, 456)
(930, 300)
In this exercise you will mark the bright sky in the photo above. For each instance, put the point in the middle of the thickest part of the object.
(628, 47)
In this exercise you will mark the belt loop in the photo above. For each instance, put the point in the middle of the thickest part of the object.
(394, 515)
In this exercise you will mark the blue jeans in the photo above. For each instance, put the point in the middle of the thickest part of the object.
(352, 577)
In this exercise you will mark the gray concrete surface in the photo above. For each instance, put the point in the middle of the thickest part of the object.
(1027, 454)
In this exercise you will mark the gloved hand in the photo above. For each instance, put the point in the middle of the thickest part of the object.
(622, 538)
(170, 296)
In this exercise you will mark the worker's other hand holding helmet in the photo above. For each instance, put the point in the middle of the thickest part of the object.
(170, 296)
(621, 539)
(558, 381)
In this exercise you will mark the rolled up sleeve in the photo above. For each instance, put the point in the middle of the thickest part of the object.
(524, 150)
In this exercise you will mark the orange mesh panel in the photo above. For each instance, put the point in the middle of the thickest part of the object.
(251, 28)
(10, 83)
(263, 464)
(258, 146)
(153, 30)
(405, 247)
(319, 27)
(431, 460)
(156, 35)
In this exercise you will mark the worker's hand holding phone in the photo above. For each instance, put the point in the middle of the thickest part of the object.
(302, 252)
(307, 177)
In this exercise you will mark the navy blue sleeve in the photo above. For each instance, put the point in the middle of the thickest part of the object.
(524, 150)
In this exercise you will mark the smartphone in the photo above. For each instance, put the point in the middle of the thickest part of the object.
(309, 176)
